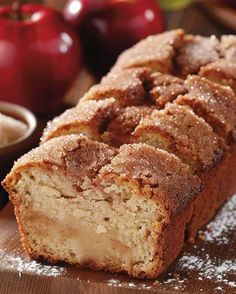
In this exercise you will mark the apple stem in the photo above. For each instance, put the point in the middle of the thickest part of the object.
(16, 10)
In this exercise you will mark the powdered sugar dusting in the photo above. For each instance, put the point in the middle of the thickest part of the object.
(198, 264)
(211, 269)
(136, 285)
(218, 231)
(24, 264)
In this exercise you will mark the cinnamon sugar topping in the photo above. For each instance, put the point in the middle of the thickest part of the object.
(195, 52)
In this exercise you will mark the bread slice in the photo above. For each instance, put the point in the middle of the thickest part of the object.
(195, 52)
(127, 87)
(228, 47)
(121, 126)
(88, 118)
(178, 130)
(155, 52)
(222, 72)
(214, 103)
(73, 206)
(164, 88)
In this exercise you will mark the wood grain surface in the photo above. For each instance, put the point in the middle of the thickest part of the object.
(208, 266)
(222, 12)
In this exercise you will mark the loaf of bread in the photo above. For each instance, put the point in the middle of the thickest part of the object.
(144, 160)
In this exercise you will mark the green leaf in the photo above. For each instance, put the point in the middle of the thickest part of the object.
(174, 4)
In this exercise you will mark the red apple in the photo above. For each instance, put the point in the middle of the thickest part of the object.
(39, 57)
(107, 27)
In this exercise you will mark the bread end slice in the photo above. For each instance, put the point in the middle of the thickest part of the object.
(128, 216)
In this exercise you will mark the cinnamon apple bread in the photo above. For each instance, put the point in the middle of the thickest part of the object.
(146, 158)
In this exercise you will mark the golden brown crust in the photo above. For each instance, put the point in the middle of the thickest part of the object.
(120, 128)
(75, 154)
(178, 130)
(155, 52)
(219, 184)
(174, 237)
(87, 118)
(125, 86)
(228, 47)
(222, 72)
(214, 103)
(165, 88)
(195, 52)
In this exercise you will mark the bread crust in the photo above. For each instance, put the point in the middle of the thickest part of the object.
(218, 185)
(88, 118)
(126, 86)
(178, 130)
(197, 51)
(155, 52)
(75, 154)
(214, 103)
(221, 71)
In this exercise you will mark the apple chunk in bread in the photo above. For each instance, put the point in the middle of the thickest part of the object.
(77, 201)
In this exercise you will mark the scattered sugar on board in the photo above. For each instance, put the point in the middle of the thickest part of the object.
(221, 272)
(211, 269)
(25, 264)
(136, 285)
(218, 231)
(176, 282)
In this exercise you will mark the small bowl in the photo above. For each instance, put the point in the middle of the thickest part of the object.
(9, 153)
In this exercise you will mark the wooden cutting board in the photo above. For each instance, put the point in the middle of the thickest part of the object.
(208, 266)
(222, 12)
